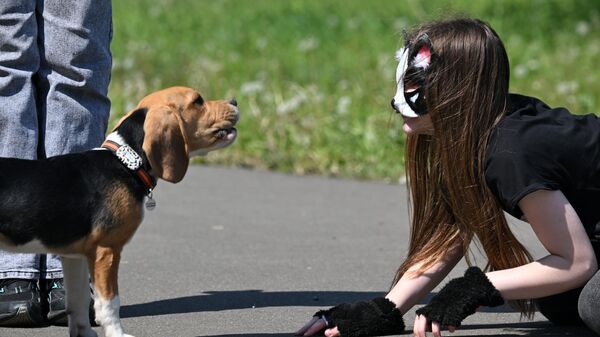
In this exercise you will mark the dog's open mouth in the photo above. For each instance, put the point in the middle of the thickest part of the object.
(226, 134)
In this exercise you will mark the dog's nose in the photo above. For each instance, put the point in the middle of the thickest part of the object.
(233, 102)
(393, 102)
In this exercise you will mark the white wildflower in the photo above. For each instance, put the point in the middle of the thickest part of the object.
(308, 44)
(582, 28)
(301, 96)
(521, 70)
(342, 105)
(252, 87)
(352, 23)
(291, 104)
(566, 87)
(209, 65)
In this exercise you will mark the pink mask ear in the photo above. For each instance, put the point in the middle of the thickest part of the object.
(423, 58)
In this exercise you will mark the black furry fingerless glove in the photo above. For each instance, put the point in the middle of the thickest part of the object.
(377, 317)
(461, 297)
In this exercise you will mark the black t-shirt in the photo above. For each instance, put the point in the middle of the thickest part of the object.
(536, 147)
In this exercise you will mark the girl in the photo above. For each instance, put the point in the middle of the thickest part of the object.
(474, 150)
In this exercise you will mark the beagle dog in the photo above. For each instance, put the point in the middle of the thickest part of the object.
(86, 206)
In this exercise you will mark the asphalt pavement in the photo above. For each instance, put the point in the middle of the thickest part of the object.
(240, 253)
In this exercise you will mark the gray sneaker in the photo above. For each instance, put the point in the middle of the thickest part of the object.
(20, 304)
(55, 293)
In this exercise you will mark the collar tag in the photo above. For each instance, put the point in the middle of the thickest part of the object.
(150, 203)
(129, 157)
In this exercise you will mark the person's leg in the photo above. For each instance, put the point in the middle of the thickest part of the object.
(561, 309)
(575, 307)
(589, 304)
(74, 73)
(19, 61)
(73, 79)
(73, 88)
(589, 300)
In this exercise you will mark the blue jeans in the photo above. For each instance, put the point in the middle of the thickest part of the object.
(55, 65)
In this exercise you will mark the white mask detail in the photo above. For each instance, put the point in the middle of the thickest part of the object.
(399, 100)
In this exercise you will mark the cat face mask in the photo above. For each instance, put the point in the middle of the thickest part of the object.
(411, 72)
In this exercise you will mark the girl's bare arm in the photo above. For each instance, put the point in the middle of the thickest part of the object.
(571, 261)
(411, 288)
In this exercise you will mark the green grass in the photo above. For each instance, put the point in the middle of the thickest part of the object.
(314, 78)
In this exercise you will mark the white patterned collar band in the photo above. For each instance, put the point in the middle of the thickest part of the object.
(131, 159)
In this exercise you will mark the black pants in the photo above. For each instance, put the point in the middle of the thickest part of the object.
(575, 307)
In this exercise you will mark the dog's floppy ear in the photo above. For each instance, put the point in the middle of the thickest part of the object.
(164, 144)
(120, 121)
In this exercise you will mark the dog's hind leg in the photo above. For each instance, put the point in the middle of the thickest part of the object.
(78, 296)
(105, 267)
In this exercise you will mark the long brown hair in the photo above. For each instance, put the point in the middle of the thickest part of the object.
(466, 95)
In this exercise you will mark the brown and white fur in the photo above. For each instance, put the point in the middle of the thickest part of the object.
(86, 206)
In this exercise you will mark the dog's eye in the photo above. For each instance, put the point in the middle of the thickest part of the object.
(199, 100)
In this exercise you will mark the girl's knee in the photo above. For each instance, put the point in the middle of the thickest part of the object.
(588, 304)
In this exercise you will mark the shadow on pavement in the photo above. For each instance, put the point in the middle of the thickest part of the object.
(253, 335)
(532, 329)
(248, 299)
(244, 299)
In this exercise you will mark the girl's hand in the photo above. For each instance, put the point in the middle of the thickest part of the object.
(456, 300)
(375, 317)
(422, 326)
(314, 326)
